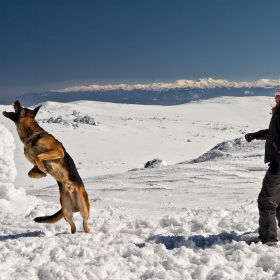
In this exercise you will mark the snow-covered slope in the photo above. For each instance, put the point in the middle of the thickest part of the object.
(191, 219)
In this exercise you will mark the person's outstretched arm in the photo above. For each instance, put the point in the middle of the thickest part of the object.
(259, 135)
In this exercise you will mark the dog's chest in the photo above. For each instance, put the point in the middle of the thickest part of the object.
(31, 152)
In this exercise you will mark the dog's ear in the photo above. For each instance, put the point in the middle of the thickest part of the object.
(35, 111)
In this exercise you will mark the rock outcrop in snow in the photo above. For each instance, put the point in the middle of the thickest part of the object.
(155, 163)
(72, 120)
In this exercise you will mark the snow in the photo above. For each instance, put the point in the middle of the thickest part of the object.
(203, 83)
(189, 219)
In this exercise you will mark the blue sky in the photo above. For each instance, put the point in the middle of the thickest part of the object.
(50, 44)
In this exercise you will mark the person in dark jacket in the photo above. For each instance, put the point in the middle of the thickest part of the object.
(269, 197)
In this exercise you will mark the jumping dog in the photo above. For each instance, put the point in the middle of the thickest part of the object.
(50, 157)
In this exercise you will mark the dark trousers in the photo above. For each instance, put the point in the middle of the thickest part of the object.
(269, 209)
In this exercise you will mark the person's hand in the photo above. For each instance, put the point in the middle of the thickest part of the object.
(273, 167)
(251, 136)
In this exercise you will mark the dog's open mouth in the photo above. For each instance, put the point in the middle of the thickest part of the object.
(15, 107)
(14, 115)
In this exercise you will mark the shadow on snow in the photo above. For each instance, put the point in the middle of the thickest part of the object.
(20, 235)
(199, 241)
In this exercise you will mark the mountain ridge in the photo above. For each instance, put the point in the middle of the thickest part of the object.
(165, 94)
(202, 83)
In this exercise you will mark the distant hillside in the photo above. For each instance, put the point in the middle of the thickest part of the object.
(178, 92)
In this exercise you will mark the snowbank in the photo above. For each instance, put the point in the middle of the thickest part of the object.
(230, 150)
(12, 200)
(7, 168)
(7, 163)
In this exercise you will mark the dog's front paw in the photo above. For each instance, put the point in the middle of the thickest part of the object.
(35, 172)
(36, 175)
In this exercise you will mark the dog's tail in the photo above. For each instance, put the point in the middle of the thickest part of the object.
(50, 219)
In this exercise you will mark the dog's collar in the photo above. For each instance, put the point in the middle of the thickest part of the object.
(33, 135)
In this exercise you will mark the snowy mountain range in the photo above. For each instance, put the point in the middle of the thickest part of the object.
(174, 93)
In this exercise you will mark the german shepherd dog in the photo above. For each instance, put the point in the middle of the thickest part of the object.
(50, 157)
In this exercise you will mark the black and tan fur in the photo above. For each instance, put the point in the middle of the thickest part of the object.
(49, 157)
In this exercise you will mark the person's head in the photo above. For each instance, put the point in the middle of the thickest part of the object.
(277, 95)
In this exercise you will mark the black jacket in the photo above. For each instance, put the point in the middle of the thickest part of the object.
(272, 137)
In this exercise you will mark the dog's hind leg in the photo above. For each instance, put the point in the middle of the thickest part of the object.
(68, 218)
(35, 172)
(84, 208)
(67, 210)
